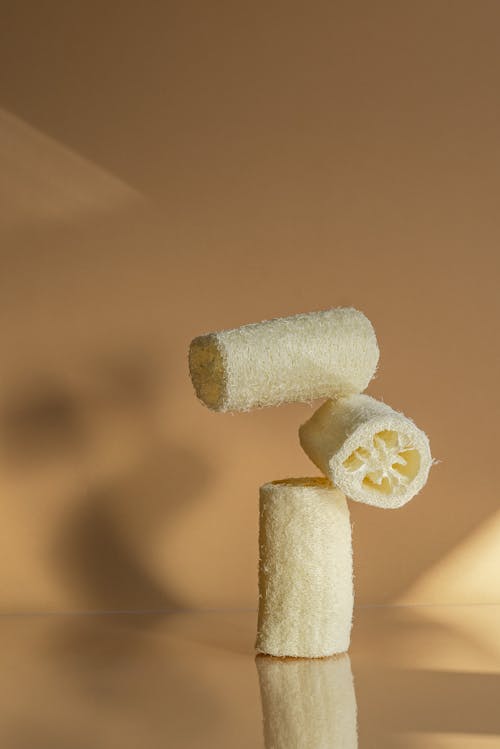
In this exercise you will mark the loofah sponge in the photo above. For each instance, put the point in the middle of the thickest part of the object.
(308, 704)
(371, 452)
(299, 358)
(305, 569)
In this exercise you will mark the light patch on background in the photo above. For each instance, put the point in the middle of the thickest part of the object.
(42, 181)
(469, 572)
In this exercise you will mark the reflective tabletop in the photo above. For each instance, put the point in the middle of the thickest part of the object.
(414, 677)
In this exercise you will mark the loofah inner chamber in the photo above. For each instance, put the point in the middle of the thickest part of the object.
(386, 463)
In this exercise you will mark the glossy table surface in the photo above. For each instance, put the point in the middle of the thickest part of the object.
(423, 677)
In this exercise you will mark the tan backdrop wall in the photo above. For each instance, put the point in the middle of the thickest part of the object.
(172, 168)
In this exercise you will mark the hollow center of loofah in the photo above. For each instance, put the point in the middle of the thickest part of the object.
(387, 464)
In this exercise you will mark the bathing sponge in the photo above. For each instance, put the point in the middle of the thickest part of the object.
(371, 452)
(308, 704)
(305, 569)
(298, 358)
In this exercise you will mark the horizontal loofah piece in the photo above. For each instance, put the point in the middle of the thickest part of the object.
(299, 358)
(305, 569)
(308, 704)
(371, 452)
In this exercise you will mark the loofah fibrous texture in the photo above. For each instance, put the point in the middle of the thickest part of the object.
(299, 358)
(308, 704)
(372, 453)
(305, 569)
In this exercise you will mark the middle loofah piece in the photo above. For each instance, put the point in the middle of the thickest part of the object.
(372, 453)
(305, 569)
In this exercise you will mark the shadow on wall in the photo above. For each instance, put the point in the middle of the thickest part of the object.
(90, 467)
(127, 479)
(40, 421)
(106, 559)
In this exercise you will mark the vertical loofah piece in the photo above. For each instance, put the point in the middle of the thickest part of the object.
(371, 452)
(305, 569)
(308, 704)
(299, 358)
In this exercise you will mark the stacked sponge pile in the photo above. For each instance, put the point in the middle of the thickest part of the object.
(367, 452)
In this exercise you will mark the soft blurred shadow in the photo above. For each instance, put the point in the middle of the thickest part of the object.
(128, 478)
(94, 476)
(44, 417)
(38, 422)
(307, 703)
(100, 550)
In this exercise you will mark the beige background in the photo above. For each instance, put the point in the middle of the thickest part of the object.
(172, 168)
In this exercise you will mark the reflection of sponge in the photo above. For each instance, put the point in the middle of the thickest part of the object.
(308, 704)
(299, 358)
(305, 569)
(372, 453)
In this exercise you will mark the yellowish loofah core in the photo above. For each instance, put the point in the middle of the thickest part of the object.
(207, 370)
(317, 481)
(372, 453)
(385, 464)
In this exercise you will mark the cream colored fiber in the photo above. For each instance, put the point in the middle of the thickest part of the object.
(305, 569)
(299, 358)
(308, 704)
(371, 452)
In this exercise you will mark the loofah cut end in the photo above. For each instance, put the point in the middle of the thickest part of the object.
(384, 464)
(206, 367)
(372, 453)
